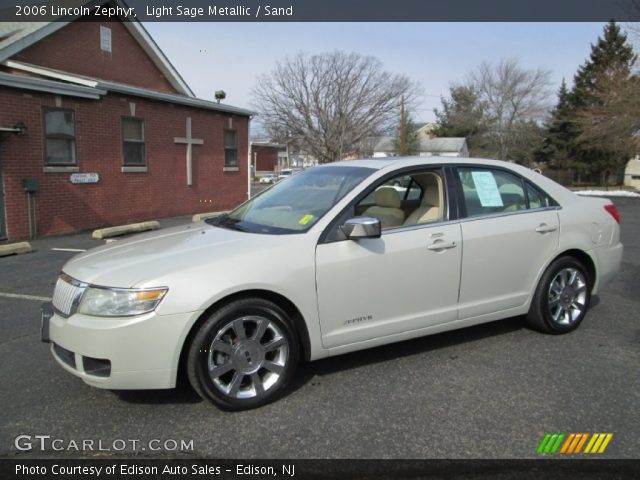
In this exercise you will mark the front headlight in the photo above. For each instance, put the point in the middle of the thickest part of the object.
(119, 302)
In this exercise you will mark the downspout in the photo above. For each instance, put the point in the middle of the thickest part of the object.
(249, 157)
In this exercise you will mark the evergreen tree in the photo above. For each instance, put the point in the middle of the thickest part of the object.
(611, 55)
(561, 132)
(463, 115)
(597, 94)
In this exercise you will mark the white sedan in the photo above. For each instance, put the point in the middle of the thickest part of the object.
(268, 179)
(332, 260)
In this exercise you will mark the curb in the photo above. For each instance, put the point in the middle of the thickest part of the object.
(202, 216)
(124, 229)
(15, 249)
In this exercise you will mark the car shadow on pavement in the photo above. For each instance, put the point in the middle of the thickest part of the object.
(405, 348)
(182, 394)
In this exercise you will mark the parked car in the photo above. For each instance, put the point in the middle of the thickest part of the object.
(333, 260)
(268, 179)
(285, 173)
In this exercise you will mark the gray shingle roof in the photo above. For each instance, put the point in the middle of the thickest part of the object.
(13, 32)
(448, 144)
(433, 145)
(16, 36)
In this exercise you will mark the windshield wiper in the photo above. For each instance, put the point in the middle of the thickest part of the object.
(225, 221)
(216, 220)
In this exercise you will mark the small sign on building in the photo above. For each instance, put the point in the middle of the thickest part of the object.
(84, 178)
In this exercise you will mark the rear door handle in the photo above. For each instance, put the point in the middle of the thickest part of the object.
(440, 245)
(544, 228)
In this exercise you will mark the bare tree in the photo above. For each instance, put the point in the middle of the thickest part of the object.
(328, 104)
(512, 96)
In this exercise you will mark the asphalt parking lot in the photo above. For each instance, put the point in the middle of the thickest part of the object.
(491, 391)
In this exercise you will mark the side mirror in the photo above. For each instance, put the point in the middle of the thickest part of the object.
(362, 227)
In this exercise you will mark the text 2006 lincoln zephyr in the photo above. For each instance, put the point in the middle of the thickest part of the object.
(334, 259)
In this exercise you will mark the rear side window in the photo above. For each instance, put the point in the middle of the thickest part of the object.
(537, 198)
(487, 191)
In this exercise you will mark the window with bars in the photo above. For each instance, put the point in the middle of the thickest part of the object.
(133, 142)
(60, 137)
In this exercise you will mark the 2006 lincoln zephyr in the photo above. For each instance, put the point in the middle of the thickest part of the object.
(334, 259)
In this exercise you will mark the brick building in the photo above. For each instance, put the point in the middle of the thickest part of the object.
(268, 157)
(100, 126)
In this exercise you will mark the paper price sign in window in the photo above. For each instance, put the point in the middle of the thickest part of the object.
(487, 189)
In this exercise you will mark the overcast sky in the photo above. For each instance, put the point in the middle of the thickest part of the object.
(229, 56)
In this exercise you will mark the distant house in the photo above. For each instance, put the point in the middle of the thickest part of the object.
(98, 128)
(632, 173)
(445, 147)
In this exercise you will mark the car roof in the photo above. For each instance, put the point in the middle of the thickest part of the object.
(398, 162)
(558, 192)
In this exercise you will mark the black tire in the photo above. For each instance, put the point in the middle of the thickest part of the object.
(237, 373)
(555, 309)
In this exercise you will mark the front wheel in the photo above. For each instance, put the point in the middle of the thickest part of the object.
(244, 355)
(562, 297)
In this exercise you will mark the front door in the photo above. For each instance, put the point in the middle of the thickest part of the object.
(406, 280)
(399, 282)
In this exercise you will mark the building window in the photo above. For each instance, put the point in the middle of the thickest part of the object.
(230, 148)
(60, 137)
(105, 39)
(133, 141)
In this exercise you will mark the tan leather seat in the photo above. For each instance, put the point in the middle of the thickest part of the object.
(387, 207)
(432, 207)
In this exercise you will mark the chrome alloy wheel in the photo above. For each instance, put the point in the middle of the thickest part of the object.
(567, 296)
(247, 357)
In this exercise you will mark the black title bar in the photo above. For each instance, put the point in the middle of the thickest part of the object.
(117, 468)
(324, 10)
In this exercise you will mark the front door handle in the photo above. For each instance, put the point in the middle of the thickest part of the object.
(544, 228)
(440, 245)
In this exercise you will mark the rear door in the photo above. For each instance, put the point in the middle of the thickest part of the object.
(510, 231)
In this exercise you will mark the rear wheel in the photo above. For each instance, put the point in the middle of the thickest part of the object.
(244, 355)
(562, 297)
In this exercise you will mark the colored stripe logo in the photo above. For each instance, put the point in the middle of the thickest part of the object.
(574, 443)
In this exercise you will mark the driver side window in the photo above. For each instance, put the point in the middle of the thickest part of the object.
(406, 200)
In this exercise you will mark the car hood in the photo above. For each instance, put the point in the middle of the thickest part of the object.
(133, 261)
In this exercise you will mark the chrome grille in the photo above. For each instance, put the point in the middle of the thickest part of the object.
(65, 295)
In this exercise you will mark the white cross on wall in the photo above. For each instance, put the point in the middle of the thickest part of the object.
(189, 141)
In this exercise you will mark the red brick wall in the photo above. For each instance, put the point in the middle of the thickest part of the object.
(76, 49)
(119, 197)
(265, 158)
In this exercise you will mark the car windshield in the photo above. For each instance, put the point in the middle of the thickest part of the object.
(295, 204)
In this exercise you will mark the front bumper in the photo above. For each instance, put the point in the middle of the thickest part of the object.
(139, 352)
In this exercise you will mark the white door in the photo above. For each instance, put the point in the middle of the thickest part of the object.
(509, 236)
(405, 280)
